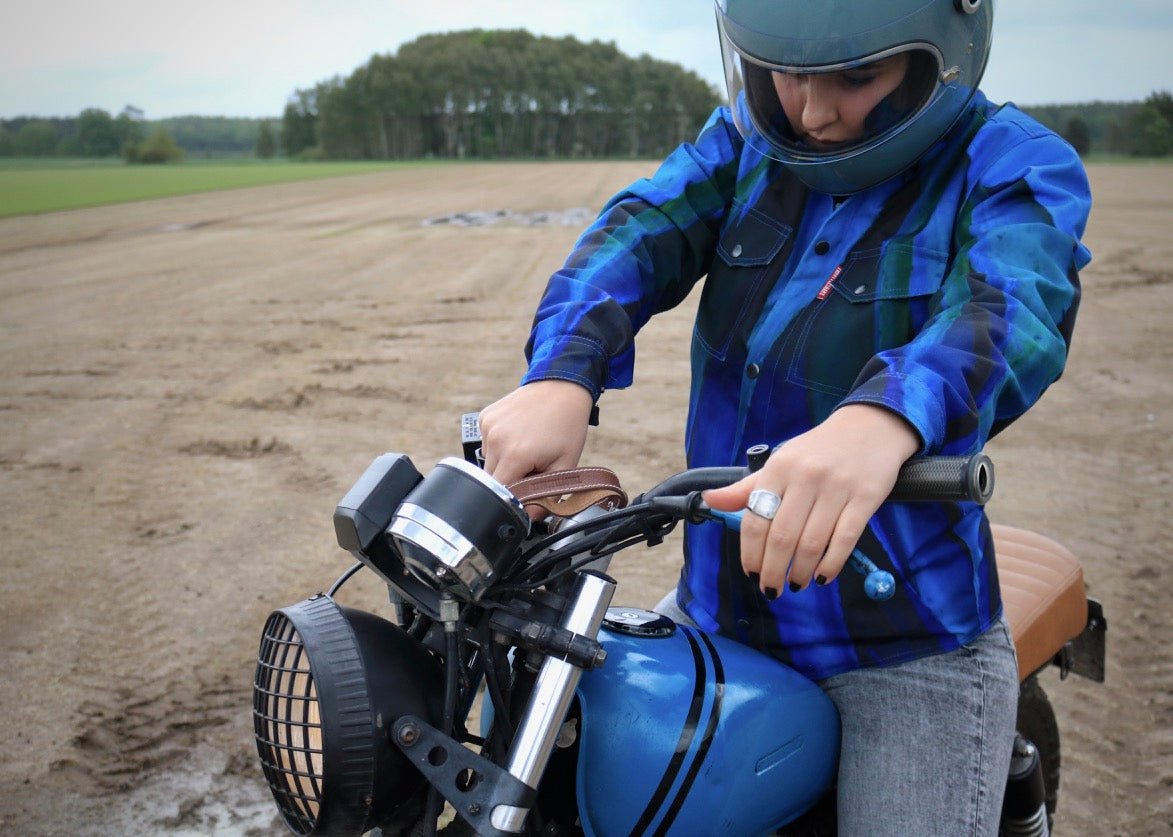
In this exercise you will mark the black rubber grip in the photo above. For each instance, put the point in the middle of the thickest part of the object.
(950, 478)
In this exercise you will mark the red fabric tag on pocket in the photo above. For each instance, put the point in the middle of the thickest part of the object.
(827, 287)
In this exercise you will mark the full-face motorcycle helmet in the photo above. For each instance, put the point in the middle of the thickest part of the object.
(942, 44)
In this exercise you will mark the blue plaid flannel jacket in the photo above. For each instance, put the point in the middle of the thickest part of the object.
(947, 295)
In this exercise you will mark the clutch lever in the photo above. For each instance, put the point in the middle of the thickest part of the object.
(878, 585)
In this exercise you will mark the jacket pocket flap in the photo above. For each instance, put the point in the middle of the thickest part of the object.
(897, 271)
(753, 239)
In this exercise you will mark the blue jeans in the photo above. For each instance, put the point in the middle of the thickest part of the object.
(925, 744)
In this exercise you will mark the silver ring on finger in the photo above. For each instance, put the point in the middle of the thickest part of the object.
(764, 504)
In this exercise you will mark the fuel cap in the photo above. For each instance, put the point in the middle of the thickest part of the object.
(633, 621)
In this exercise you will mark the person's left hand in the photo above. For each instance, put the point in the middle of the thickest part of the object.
(831, 480)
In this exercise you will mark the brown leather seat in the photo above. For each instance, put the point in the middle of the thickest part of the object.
(1042, 592)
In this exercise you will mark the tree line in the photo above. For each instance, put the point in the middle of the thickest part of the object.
(1139, 129)
(496, 94)
(501, 93)
(96, 133)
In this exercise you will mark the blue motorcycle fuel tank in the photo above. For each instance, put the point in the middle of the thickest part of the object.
(685, 732)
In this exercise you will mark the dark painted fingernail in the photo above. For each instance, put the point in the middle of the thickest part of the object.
(821, 580)
(795, 587)
(755, 578)
(771, 593)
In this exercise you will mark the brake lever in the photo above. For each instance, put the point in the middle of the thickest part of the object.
(878, 585)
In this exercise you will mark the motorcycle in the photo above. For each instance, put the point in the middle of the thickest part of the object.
(594, 719)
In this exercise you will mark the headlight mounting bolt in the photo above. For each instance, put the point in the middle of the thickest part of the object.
(408, 734)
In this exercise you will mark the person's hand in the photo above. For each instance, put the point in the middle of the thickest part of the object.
(831, 480)
(539, 427)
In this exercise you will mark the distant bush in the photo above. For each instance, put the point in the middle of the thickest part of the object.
(313, 154)
(159, 147)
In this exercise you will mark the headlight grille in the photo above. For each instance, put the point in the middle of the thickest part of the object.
(288, 725)
(329, 682)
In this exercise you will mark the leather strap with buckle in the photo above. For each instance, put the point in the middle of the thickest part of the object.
(566, 493)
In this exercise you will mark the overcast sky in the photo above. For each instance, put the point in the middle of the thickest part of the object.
(244, 58)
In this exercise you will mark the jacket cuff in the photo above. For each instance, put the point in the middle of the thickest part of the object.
(910, 399)
(573, 358)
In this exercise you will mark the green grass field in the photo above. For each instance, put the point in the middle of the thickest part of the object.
(32, 186)
(49, 186)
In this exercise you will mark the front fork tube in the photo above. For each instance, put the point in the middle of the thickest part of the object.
(550, 700)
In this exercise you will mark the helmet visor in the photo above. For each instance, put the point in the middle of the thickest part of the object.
(818, 113)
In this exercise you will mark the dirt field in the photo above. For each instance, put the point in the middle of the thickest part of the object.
(190, 385)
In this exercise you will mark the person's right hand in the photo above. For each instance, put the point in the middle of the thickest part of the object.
(537, 428)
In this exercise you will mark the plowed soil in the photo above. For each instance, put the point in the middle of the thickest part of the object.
(188, 386)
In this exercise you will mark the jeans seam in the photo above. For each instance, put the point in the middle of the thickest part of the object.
(979, 790)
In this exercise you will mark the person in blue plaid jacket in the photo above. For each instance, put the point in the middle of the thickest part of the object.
(890, 268)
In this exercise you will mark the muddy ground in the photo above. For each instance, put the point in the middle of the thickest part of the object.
(188, 386)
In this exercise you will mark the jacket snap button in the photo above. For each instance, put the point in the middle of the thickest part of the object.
(860, 289)
(753, 370)
(736, 250)
(822, 248)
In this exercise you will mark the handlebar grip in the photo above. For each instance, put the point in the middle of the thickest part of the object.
(945, 478)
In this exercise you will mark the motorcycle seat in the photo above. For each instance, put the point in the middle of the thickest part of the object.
(1042, 594)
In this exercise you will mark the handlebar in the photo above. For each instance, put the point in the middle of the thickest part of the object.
(526, 563)
(921, 479)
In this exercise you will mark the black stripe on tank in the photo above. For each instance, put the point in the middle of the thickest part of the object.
(706, 741)
(683, 743)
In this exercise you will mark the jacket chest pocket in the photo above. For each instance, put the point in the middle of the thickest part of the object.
(880, 300)
(738, 281)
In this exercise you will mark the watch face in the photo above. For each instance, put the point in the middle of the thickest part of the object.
(636, 622)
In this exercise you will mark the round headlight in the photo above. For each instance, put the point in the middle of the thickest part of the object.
(459, 529)
(329, 684)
